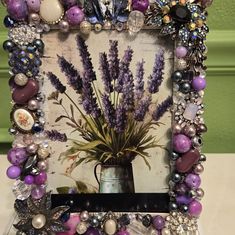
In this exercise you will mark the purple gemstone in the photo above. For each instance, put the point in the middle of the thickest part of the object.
(195, 208)
(29, 179)
(41, 178)
(193, 181)
(74, 15)
(33, 5)
(181, 143)
(158, 222)
(140, 5)
(17, 9)
(17, 156)
(181, 189)
(13, 172)
(92, 231)
(183, 200)
(199, 83)
(38, 192)
(181, 52)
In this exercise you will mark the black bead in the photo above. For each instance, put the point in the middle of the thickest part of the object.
(8, 22)
(65, 217)
(124, 220)
(180, 14)
(147, 220)
(202, 158)
(8, 45)
(177, 76)
(185, 87)
(174, 156)
(184, 208)
(176, 177)
(173, 206)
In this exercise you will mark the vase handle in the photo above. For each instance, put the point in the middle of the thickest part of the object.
(95, 173)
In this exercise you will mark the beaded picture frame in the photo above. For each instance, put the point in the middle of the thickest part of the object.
(116, 122)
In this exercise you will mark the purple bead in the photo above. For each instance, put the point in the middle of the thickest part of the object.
(199, 83)
(158, 222)
(17, 156)
(140, 5)
(195, 208)
(183, 200)
(181, 189)
(193, 181)
(38, 192)
(92, 231)
(17, 9)
(74, 15)
(181, 143)
(41, 178)
(29, 179)
(181, 52)
(33, 5)
(123, 232)
(13, 172)
(68, 3)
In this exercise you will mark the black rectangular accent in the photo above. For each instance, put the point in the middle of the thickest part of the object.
(116, 202)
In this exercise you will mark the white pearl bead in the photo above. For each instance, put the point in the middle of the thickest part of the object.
(85, 27)
(20, 79)
(81, 228)
(39, 221)
(84, 215)
(110, 227)
(166, 231)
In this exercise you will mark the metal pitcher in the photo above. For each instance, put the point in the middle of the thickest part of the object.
(115, 178)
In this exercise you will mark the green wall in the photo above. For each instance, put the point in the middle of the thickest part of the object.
(220, 94)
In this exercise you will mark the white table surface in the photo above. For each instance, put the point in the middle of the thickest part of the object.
(218, 181)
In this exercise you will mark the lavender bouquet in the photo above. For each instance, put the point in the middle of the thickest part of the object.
(114, 122)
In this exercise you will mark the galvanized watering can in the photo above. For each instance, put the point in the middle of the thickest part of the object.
(115, 178)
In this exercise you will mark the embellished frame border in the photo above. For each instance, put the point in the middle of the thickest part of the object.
(185, 22)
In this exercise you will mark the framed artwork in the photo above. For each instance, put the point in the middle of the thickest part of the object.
(107, 115)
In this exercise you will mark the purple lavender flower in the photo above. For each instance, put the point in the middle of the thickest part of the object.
(73, 76)
(162, 108)
(109, 111)
(113, 60)
(86, 58)
(105, 73)
(142, 109)
(121, 117)
(124, 69)
(54, 135)
(56, 82)
(128, 91)
(139, 86)
(156, 78)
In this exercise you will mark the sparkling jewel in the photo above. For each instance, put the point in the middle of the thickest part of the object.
(64, 26)
(21, 190)
(29, 179)
(46, 13)
(199, 83)
(17, 9)
(85, 27)
(186, 161)
(135, 21)
(181, 52)
(8, 22)
(34, 18)
(190, 111)
(166, 231)
(84, 216)
(32, 148)
(158, 222)
(110, 227)
(198, 169)
(43, 153)
(94, 222)
(189, 130)
(20, 79)
(181, 143)
(41, 178)
(181, 189)
(193, 181)
(140, 5)
(183, 199)
(195, 208)
(81, 228)
(38, 192)
(33, 5)
(21, 95)
(33, 105)
(17, 156)
(13, 172)
(74, 15)
(39, 221)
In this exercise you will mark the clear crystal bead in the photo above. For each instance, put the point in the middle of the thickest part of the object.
(21, 190)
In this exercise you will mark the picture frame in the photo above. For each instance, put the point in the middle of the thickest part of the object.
(168, 38)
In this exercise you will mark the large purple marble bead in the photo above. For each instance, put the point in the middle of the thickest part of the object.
(92, 231)
(74, 15)
(140, 5)
(41, 178)
(193, 181)
(17, 156)
(195, 208)
(181, 143)
(158, 222)
(181, 52)
(13, 172)
(199, 83)
(17, 9)
(33, 5)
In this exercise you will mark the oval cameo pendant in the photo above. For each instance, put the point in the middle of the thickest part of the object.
(51, 11)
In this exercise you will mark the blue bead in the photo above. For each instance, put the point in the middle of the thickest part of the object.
(37, 127)
(65, 217)
(8, 22)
